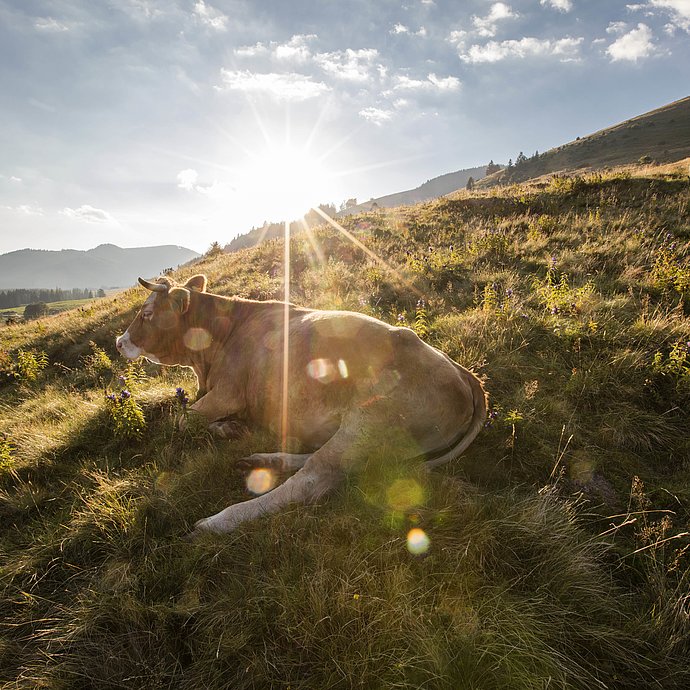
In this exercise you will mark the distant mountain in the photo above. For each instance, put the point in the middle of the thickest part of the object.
(104, 266)
(431, 189)
(661, 135)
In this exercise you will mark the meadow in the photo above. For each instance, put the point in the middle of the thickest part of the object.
(558, 551)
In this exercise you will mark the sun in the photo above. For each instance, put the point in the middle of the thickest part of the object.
(286, 180)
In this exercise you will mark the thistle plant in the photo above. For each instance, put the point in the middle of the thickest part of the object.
(6, 450)
(125, 413)
(29, 364)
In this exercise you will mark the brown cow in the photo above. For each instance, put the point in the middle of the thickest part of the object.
(349, 377)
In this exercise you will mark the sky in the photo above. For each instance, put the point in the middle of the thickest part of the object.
(146, 122)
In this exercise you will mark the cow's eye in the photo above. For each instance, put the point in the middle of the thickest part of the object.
(147, 316)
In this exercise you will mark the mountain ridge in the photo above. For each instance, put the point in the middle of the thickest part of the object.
(106, 265)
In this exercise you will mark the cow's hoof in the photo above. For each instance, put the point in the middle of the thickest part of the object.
(251, 462)
(228, 429)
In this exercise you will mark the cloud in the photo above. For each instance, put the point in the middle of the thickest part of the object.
(50, 25)
(349, 64)
(251, 51)
(679, 11)
(376, 115)
(187, 179)
(560, 5)
(431, 83)
(633, 46)
(567, 49)
(616, 28)
(26, 210)
(210, 16)
(488, 26)
(400, 29)
(88, 214)
(295, 49)
(282, 87)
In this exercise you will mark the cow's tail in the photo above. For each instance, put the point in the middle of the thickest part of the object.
(462, 442)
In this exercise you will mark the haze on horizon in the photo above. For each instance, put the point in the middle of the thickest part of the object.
(185, 122)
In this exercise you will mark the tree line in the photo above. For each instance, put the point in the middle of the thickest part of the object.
(17, 297)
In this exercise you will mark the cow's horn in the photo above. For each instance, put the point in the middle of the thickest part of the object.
(154, 287)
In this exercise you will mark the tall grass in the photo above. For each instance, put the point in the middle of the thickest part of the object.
(542, 569)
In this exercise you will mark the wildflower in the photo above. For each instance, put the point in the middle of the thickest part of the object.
(401, 317)
(182, 396)
(362, 303)
(125, 394)
(554, 309)
(421, 304)
(493, 414)
(509, 293)
(552, 264)
(111, 397)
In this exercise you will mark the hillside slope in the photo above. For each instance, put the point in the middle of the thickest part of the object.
(558, 553)
(431, 189)
(104, 266)
(661, 135)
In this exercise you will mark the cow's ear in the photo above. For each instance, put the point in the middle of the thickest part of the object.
(179, 298)
(197, 283)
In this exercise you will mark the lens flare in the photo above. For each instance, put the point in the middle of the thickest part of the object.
(197, 339)
(321, 370)
(260, 480)
(417, 541)
(404, 494)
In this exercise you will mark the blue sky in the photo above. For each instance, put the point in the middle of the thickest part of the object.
(144, 122)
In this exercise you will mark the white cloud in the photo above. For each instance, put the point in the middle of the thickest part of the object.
(428, 2)
(679, 11)
(561, 5)
(282, 87)
(210, 16)
(431, 83)
(567, 49)
(88, 214)
(376, 115)
(349, 64)
(633, 46)
(295, 49)
(402, 29)
(251, 51)
(50, 25)
(25, 209)
(187, 179)
(616, 28)
(488, 26)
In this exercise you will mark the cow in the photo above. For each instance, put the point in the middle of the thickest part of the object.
(349, 378)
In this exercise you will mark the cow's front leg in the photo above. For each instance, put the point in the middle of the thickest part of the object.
(322, 472)
(221, 413)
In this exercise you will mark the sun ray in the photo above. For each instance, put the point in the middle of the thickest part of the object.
(286, 339)
(372, 255)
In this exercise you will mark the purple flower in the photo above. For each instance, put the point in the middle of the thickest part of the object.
(181, 396)
(111, 396)
(509, 293)
(554, 310)
(401, 317)
(125, 394)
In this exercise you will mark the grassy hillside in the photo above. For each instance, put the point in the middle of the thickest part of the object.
(64, 305)
(558, 552)
(661, 135)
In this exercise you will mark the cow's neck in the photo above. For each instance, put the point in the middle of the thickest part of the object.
(212, 321)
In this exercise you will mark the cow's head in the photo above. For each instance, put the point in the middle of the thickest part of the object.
(159, 330)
